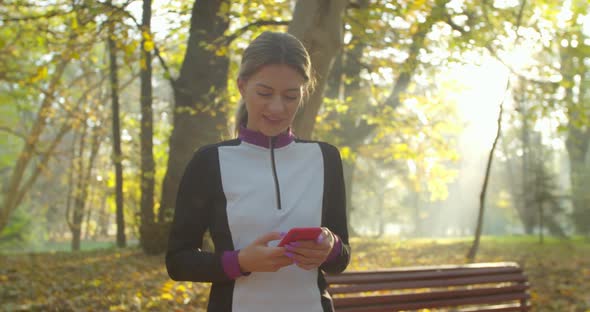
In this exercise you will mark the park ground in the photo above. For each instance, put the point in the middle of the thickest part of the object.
(111, 279)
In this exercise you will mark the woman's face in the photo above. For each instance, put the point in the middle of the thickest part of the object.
(272, 96)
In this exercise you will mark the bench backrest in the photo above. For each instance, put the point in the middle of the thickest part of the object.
(482, 287)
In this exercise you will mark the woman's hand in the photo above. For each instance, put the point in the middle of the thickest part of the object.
(311, 254)
(259, 257)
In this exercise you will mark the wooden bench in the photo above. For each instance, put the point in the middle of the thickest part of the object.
(472, 287)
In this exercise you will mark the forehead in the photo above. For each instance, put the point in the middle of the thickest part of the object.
(277, 76)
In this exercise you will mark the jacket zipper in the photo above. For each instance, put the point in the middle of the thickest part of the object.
(274, 171)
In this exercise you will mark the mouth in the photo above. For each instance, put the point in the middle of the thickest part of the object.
(273, 120)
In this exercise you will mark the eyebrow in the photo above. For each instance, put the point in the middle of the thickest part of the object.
(271, 88)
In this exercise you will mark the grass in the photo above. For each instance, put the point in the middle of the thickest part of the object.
(50, 246)
(111, 279)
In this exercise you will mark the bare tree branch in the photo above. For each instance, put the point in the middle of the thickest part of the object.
(494, 53)
(241, 31)
(139, 27)
(13, 132)
(49, 14)
(482, 196)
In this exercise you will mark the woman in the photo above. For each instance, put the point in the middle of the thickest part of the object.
(250, 190)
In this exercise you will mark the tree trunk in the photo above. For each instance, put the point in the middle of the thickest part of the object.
(90, 203)
(117, 155)
(381, 214)
(514, 188)
(81, 195)
(71, 178)
(335, 89)
(524, 211)
(539, 192)
(318, 25)
(200, 110)
(41, 164)
(77, 215)
(482, 197)
(418, 227)
(148, 170)
(102, 226)
(12, 194)
(577, 147)
(578, 141)
(348, 168)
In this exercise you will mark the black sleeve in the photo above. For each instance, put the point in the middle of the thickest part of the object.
(185, 261)
(334, 207)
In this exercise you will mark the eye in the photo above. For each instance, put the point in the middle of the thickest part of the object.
(291, 96)
(264, 94)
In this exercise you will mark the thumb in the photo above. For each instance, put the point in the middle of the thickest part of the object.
(270, 236)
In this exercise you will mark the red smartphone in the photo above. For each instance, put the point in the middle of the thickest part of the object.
(300, 233)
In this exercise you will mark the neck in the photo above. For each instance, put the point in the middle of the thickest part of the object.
(257, 138)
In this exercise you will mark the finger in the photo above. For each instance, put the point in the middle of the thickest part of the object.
(316, 251)
(284, 262)
(282, 257)
(266, 238)
(306, 266)
(299, 259)
(308, 244)
(307, 253)
(276, 251)
(323, 236)
(278, 261)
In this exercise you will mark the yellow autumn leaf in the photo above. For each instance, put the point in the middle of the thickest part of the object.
(180, 289)
(74, 23)
(166, 296)
(345, 152)
(41, 74)
(148, 46)
(221, 51)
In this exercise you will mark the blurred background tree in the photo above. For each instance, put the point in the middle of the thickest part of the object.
(409, 92)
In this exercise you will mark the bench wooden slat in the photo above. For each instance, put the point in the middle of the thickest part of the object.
(499, 308)
(494, 308)
(517, 278)
(397, 275)
(351, 301)
(440, 303)
(473, 287)
(433, 268)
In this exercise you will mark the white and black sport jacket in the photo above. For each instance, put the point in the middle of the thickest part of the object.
(243, 188)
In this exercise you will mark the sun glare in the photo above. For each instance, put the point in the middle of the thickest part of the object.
(481, 89)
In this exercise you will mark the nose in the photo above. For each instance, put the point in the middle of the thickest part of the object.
(276, 105)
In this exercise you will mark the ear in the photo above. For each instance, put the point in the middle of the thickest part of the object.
(242, 86)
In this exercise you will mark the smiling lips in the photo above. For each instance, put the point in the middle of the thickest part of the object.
(273, 120)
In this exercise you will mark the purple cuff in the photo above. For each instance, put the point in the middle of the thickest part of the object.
(336, 249)
(231, 264)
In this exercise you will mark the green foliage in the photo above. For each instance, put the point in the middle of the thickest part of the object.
(412, 140)
(17, 233)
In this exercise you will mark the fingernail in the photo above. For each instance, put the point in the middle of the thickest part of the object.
(289, 247)
(294, 244)
(320, 239)
(290, 255)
